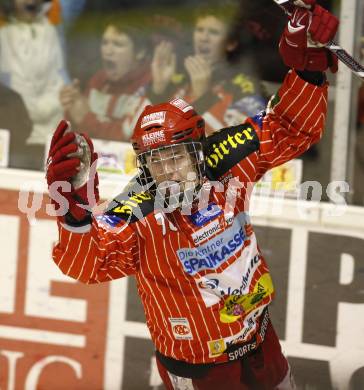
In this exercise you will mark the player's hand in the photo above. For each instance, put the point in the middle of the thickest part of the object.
(200, 73)
(72, 160)
(302, 42)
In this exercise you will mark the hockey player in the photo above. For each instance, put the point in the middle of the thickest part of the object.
(202, 279)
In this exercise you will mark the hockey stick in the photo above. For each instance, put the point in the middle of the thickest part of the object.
(340, 53)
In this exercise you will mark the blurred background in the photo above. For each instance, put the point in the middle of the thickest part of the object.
(98, 64)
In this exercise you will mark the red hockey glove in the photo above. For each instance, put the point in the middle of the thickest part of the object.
(301, 44)
(69, 161)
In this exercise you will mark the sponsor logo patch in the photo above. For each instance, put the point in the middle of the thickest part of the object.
(111, 220)
(210, 230)
(215, 252)
(157, 118)
(211, 281)
(181, 104)
(201, 217)
(236, 306)
(216, 347)
(241, 351)
(206, 232)
(226, 146)
(153, 138)
(128, 206)
(258, 118)
(206, 283)
(249, 327)
(181, 328)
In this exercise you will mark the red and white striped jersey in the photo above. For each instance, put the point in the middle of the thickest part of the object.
(201, 277)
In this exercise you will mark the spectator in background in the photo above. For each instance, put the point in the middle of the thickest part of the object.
(62, 14)
(115, 95)
(31, 63)
(14, 118)
(258, 24)
(214, 80)
(71, 9)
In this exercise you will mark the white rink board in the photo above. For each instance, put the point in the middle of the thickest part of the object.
(46, 317)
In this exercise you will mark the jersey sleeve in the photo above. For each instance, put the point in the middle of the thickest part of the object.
(294, 121)
(99, 252)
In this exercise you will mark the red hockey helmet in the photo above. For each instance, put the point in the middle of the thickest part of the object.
(166, 124)
(161, 131)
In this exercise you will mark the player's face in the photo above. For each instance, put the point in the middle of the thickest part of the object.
(118, 53)
(27, 10)
(171, 164)
(209, 38)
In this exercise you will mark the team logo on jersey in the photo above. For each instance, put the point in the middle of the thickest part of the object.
(201, 217)
(181, 328)
(236, 306)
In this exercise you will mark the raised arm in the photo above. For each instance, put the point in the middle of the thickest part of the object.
(295, 117)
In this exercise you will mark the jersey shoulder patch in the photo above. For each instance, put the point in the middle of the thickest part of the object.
(229, 146)
(131, 207)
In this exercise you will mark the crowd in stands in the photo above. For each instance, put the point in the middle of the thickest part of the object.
(200, 62)
(219, 56)
(32, 73)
